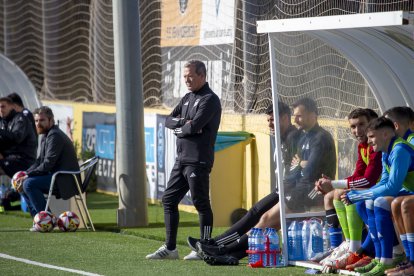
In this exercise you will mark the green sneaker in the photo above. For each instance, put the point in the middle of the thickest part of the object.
(398, 258)
(368, 267)
(378, 270)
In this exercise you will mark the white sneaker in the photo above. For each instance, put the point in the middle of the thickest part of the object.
(321, 255)
(163, 254)
(33, 228)
(338, 252)
(193, 256)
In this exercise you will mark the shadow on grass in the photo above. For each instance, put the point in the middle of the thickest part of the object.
(101, 201)
(13, 230)
(112, 227)
(181, 224)
(105, 206)
(18, 213)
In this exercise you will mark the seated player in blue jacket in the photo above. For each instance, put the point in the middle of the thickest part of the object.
(398, 165)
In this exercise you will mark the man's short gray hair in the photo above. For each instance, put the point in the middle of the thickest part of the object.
(200, 67)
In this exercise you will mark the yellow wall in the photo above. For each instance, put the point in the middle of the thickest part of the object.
(227, 182)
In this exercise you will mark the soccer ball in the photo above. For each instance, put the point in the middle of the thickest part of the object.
(17, 184)
(44, 222)
(68, 222)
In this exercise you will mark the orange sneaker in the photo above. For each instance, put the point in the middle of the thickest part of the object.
(361, 262)
(347, 259)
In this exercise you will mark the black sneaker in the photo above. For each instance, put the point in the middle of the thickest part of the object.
(211, 249)
(192, 243)
(220, 260)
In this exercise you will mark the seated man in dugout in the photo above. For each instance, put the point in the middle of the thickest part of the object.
(315, 155)
(259, 215)
(350, 254)
(18, 141)
(396, 181)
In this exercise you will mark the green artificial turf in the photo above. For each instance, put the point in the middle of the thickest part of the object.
(110, 250)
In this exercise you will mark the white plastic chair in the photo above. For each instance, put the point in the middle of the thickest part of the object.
(87, 168)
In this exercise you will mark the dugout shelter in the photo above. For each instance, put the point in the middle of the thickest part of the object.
(380, 46)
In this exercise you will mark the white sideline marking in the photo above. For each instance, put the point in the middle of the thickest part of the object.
(5, 256)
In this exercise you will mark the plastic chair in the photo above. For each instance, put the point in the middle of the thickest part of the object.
(87, 168)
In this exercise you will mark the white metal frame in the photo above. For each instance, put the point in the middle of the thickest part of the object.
(379, 19)
(319, 267)
(394, 18)
(87, 165)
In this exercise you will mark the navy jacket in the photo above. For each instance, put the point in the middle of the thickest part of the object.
(196, 139)
(316, 146)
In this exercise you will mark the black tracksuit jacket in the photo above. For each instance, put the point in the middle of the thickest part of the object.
(17, 137)
(195, 140)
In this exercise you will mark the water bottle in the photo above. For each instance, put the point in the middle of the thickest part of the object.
(316, 239)
(251, 243)
(265, 256)
(305, 239)
(266, 237)
(298, 246)
(325, 237)
(273, 246)
(290, 239)
(260, 244)
(295, 250)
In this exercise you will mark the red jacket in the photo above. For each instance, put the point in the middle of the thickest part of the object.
(368, 168)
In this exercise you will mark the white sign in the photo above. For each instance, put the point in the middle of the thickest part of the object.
(217, 22)
(63, 116)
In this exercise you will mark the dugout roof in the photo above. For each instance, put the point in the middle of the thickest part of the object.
(13, 79)
(380, 46)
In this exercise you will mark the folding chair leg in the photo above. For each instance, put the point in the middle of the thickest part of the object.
(81, 210)
(85, 209)
(49, 195)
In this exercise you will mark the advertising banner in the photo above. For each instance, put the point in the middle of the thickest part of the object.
(217, 22)
(161, 156)
(166, 154)
(180, 22)
(197, 29)
(150, 154)
(98, 136)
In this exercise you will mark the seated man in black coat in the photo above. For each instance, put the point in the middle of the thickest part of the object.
(57, 153)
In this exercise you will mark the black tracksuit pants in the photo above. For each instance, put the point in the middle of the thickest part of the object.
(182, 179)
